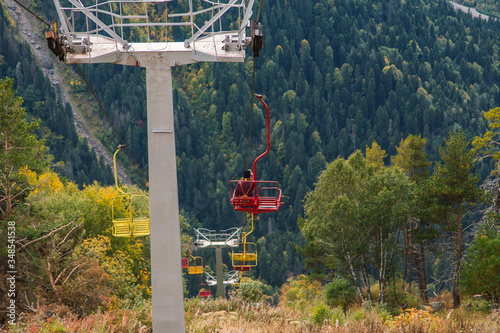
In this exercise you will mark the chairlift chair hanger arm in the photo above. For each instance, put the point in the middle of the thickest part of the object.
(268, 138)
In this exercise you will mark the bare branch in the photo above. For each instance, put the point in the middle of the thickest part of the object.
(72, 271)
(31, 307)
(49, 234)
(67, 235)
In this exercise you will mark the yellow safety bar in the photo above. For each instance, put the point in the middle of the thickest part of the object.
(131, 225)
(197, 268)
(246, 259)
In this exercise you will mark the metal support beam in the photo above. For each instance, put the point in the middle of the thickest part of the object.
(166, 275)
(209, 23)
(219, 273)
(98, 22)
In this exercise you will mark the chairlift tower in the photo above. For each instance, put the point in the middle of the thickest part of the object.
(156, 35)
(218, 240)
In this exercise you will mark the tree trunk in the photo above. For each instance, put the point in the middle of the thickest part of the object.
(456, 280)
(417, 253)
(366, 280)
(382, 271)
(355, 278)
(422, 284)
(496, 204)
(405, 250)
(8, 199)
(456, 294)
(8, 193)
(52, 282)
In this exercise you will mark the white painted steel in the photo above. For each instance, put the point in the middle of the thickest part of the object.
(221, 293)
(166, 271)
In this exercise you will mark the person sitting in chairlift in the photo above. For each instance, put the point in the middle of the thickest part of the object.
(246, 185)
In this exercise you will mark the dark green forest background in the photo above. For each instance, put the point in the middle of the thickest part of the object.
(337, 75)
(487, 7)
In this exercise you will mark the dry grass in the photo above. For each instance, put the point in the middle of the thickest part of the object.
(214, 316)
(237, 316)
(134, 320)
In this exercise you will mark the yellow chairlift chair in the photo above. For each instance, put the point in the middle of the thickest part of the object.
(195, 264)
(128, 224)
(246, 259)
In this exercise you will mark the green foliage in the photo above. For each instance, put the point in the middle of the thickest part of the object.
(455, 191)
(62, 246)
(364, 206)
(481, 267)
(118, 265)
(490, 8)
(375, 155)
(340, 293)
(20, 149)
(356, 315)
(412, 158)
(399, 295)
(336, 78)
(453, 184)
(252, 290)
(321, 314)
(300, 293)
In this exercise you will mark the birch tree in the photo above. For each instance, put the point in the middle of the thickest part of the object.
(353, 214)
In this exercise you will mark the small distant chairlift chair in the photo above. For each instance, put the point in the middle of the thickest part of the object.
(193, 264)
(185, 255)
(129, 225)
(205, 290)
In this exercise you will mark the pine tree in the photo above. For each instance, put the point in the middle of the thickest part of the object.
(20, 149)
(412, 159)
(455, 189)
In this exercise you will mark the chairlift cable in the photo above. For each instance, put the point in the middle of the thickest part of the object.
(111, 123)
(251, 112)
(36, 16)
(258, 14)
(251, 98)
(92, 91)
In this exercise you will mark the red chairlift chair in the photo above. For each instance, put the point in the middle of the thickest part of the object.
(266, 196)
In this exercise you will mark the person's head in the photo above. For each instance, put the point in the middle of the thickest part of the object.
(247, 174)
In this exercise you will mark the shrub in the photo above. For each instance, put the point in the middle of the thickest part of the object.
(300, 293)
(252, 290)
(321, 313)
(356, 315)
(417, 321)
(338, 316)
(398, 294)
(340, 292)
(480, 269)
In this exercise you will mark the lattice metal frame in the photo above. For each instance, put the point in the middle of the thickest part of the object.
(110, 19)
(230, 278)
(211, 238)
